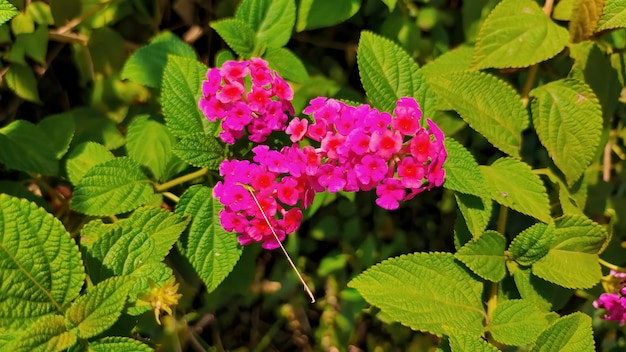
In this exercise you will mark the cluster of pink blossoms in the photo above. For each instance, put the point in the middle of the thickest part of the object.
(259, 109)
(358, 149)
(614, 303)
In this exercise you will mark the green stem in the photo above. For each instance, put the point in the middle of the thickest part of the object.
(174, 198)
(177, 181)
(502, 215)
(611, 266)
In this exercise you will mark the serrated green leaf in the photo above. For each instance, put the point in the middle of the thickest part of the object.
(514, 185)
(211, 250)
(150, 144)
(460, 341)
(532, 244)
(388, 73)
(485, 256)
(288, 65)
(471, 94)
(200, 150)
(314, 14)
(22, 81)
(613, 16)
(83, 157)
(98, 309)
(7, 11)
(146, 65)
(237, 34)
(476, 211)
(584, 20)
(113, 187)
(182, 79)
(568, 120)
(517, 33)
(60, 130)
(272, 20)
(118, 344)
(40, 266)
(423, 290)
(455, 60)
(46, 334)
(26, 147)
(462, 172)
(544, 294)
(572, 261)
(517, 322)
(571, 333)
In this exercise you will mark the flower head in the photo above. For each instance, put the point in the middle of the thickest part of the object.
(161, 298)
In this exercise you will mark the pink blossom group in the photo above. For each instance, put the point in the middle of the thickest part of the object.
(614, 302)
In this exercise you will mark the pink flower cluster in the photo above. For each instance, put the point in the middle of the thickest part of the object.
(615, 302)
(257, 103)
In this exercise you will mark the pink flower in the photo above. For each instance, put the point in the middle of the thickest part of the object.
(230, 92)
(331, 177)
(372, 169)
(390, 193)
(385, 143)
(234, 71)
(297, 128)
(411, 172)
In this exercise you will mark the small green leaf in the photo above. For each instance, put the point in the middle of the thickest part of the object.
(532, 244)
(461, 341)
(485, 256)
(471, 94)
(182, 79)
(288, 65)
(113, 187)
(200, 150)
(563, 10)
(146, 65)
(26, 147)
(211, 250)
(313, 14)
(83, 157)
(118, 344)
(462, 172)
(40, 12)
(544, 294)
(584, 20)
(34, 45)
(517, 33)
(22, 23)
(388, 73)
(423, 290)
(476, 212)
(237, 34)
(613, 16)
(41, 267)
(98, 309)
(94, 126)
(7, 11)
(514, 185)
(60, 130)
(144, 132)
(391, 4)
(568, 119)
(272, 20)
(517, 322)
(22, 81)
(48, 333)
(571, 333)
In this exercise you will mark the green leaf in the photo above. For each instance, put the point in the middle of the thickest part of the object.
(584, 20)
(211, 250)
(34, 44)
(40, 13)
(288, 65)
(60, 130)
(423, 290)
(94, 126)
(461, 341)
(7, 11)
(200, 150)
(22, 81)
(462, 172)
(532, 244)
(118, 344)
(237, 34)
(485, 256)
(514, 185)
(568, 119)
(545, 295)
(471, 94)
(26, 147)
(476, 212)
(22, 23)
(107, 51)
(572, 261)
(563, 10)
(517, 33)
(146, 65)
(517, 322)
(613, 16)
(180, 91)
(113, 187)
(47, 334)
(455, 60)
(83, 157)
(151, 273)
(272, 20)
(41, 269)
(388, 73)
(313, 14)
(391, 4)
(144, 132)
(98, 309)
(571, 333)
